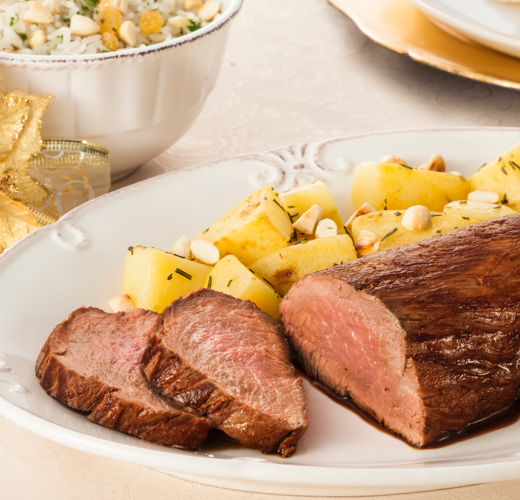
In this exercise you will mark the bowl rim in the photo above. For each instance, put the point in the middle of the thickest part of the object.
(230, 12)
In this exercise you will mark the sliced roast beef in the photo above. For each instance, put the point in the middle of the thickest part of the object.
(91, 362)
(223, 358)
(425, 338)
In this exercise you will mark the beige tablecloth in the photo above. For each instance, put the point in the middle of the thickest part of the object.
(295, 71)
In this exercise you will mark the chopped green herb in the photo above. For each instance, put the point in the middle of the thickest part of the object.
(504, 170)
(498, 206)
(66, 20)
(210, 282)
(303, 240)
(449, 201)
(265, 198)
(170, 277)
(514, 165)
(437, 215)
(291, 206)
(465, 218)
(405, 166)
(184, 274)
(394, 230)
(113, 29)
(276, 201)
(398, 213)
(268, 283)
(462, 202)
(505, 201)
(102, 21)
(438, 231)
(229, 283)
(180, 256)
(91, 3)
(499, 158)
(206, 230)
(292, 216)
(251, 270)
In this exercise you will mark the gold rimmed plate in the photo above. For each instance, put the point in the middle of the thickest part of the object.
(400, 26)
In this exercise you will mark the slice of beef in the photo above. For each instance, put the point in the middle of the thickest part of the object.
(224, 358)
(91, 362)
(425, 338)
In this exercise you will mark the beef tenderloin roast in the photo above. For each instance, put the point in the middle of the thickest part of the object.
(425, 338)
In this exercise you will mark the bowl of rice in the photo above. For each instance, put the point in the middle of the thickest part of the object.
(130, 75)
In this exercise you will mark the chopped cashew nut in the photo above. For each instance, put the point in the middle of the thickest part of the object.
(205, 251)
(436, 164)
(178, 22)
(192, 4)
(417, 219)
(83, 26)
(37, 39)
(127, 33)
(307, 223)
(362, 210)
(208, 11)
(53, 6)
(182, 247)
(393, 159)
(38, 14)
(484, 197)
(326, 228)
(367, 243)
(121, 303)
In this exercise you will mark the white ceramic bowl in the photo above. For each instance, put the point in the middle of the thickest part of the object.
(136, 102)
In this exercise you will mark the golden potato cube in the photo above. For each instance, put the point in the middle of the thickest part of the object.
(255, 227)
(387, 224)
(476, 211)
(502, 176)
(299, 199)
(153, 278)
(285, 267)
(395, 187)
(231, 276)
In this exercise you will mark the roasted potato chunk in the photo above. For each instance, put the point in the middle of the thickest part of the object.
(231, 276)
(387, 224)
(300, 199)
(285, 267)
(255, 227)
(502, 176)
(387, 186)
(153, 278)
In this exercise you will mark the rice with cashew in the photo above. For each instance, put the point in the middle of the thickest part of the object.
(68, 27)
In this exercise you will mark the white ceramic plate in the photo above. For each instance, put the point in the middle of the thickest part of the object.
(79, 261)
(492, 23)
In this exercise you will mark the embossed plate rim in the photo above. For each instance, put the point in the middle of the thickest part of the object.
(251, 472)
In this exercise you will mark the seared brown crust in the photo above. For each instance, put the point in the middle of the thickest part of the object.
(457, 297)
(110, 406)
(173, 377)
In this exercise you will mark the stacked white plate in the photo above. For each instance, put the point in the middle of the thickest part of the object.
(493, 23)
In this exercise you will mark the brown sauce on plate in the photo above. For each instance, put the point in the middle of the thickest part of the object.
(498, 420)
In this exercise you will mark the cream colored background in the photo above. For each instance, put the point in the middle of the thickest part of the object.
(296, 71)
